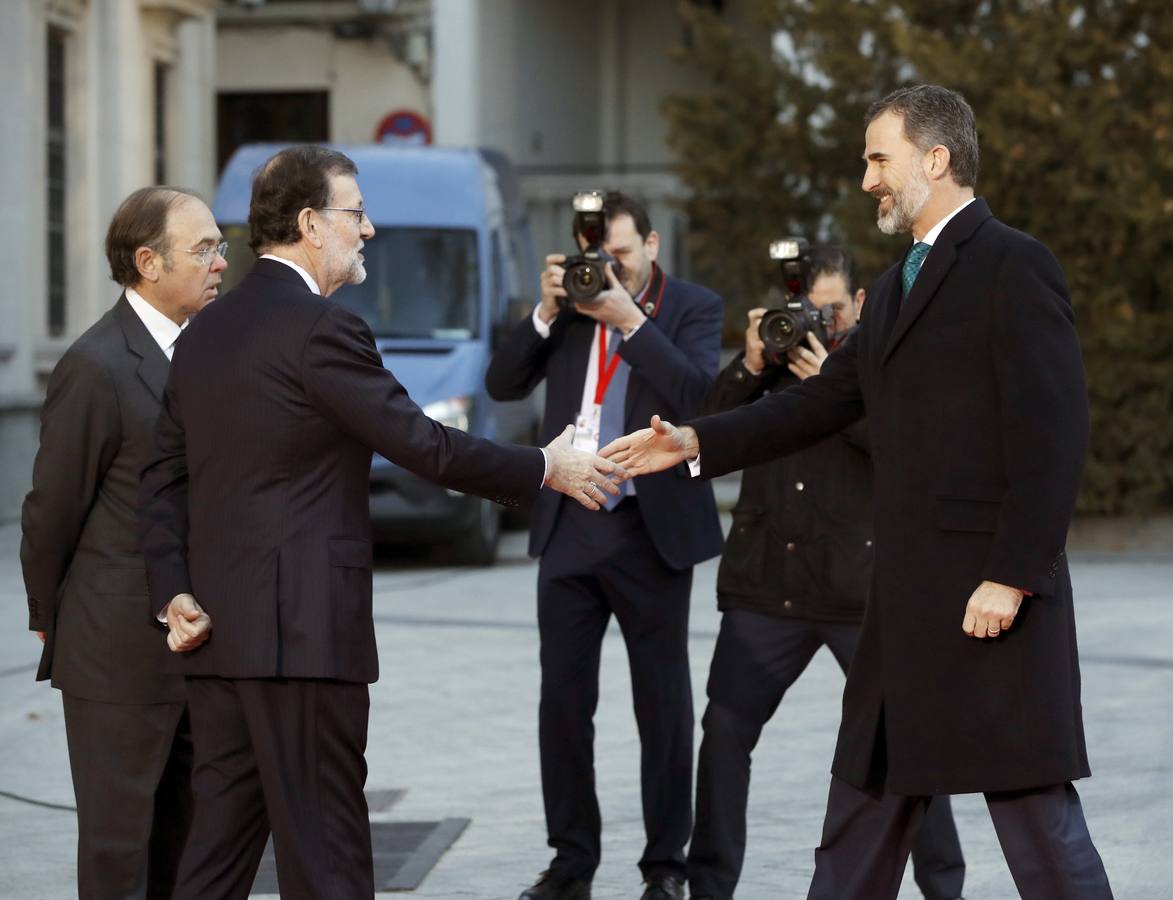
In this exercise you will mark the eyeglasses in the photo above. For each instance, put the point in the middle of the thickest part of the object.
(358, 211)
(207, 254)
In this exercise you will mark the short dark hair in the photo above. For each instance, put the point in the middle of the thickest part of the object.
(292, 180)
(617, 203)
(140, 221)
(935, 115)
(833, 260)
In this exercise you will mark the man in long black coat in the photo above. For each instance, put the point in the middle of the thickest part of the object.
(968, 368)
(256, 535)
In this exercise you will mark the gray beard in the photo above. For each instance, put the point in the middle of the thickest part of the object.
(906, 206)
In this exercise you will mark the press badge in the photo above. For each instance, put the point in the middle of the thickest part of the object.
(586, 430)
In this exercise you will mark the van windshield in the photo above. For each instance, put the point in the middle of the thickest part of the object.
(421, 282)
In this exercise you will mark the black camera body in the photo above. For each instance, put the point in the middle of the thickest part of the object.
(785, 327)
(585, 276)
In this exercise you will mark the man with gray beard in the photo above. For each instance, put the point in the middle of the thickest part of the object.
(256, 533)
(968, 368)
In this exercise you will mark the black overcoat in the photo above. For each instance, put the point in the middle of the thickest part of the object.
(976, 405)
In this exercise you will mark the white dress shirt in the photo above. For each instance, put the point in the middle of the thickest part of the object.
(587, 405)
(163, 330)
(935, 232)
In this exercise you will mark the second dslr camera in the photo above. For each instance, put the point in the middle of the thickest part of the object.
(784, 328)
(585, 277)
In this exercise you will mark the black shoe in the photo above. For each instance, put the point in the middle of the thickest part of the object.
(663, 886)
(551, 887)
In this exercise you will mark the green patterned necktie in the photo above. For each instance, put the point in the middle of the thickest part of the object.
(911, 267)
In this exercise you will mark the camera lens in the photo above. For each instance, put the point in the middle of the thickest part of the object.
(583, 281)
(780, 330)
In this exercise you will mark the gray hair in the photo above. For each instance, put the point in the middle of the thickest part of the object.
(935, 115)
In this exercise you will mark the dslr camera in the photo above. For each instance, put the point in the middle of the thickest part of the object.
(785, 327)
(585, 277)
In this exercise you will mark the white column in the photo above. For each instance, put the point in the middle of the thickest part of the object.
(116, 124)
(23, 103)
(456, 72)
(191, 113)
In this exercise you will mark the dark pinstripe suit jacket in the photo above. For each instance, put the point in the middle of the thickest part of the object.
(257, 499)
(79, 549)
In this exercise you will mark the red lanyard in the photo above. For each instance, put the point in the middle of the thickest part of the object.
(606, 369)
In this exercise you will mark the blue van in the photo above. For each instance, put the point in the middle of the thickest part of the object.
(449, 265)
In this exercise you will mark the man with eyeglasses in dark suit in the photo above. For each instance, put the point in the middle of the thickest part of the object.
(126, 722)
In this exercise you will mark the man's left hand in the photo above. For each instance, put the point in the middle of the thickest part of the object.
(187, 623)
(613, 306)
(803, 362)
(991, 610)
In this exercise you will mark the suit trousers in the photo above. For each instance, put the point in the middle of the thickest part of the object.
(599, 564)
(756, 660)
(284, 756)
(131, 766)
(1042, 831)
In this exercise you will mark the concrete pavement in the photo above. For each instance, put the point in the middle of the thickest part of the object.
(454, 722)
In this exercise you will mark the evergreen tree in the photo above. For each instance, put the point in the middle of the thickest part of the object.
(1074, 104)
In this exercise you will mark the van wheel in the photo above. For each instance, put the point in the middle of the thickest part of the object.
(478, 545)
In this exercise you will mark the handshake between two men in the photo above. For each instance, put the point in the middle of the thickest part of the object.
(582, 476)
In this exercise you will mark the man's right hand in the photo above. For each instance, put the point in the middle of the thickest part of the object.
(653, 449)
(755, 350)
(580, 475)
(552, 286)
(188, 625)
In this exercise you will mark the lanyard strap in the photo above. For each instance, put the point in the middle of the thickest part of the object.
(606, 369)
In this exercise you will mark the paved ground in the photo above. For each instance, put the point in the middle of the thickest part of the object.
(453, 722)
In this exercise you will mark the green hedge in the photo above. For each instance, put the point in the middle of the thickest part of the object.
(1075, 112)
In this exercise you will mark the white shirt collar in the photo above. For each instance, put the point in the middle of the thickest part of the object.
(163, 330)
(305, 276)
(935, 232)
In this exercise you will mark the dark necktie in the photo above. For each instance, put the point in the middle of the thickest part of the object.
(912, 263)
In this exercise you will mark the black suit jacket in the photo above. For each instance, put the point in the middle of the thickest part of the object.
(257, 499)
(673, 358)
(84, 574)
(977, 418)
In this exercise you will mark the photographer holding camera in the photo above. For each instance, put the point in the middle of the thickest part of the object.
(611, 357)
(794, 575)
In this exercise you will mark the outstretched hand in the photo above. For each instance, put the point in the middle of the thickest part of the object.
(653, 449)
(580, 475)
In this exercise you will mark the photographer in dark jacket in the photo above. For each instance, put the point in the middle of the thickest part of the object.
(794, 577)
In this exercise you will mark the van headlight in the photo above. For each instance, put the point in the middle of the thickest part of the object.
(453, 412)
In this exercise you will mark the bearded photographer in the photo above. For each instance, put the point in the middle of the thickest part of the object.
(793, 578)
(646, 342)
